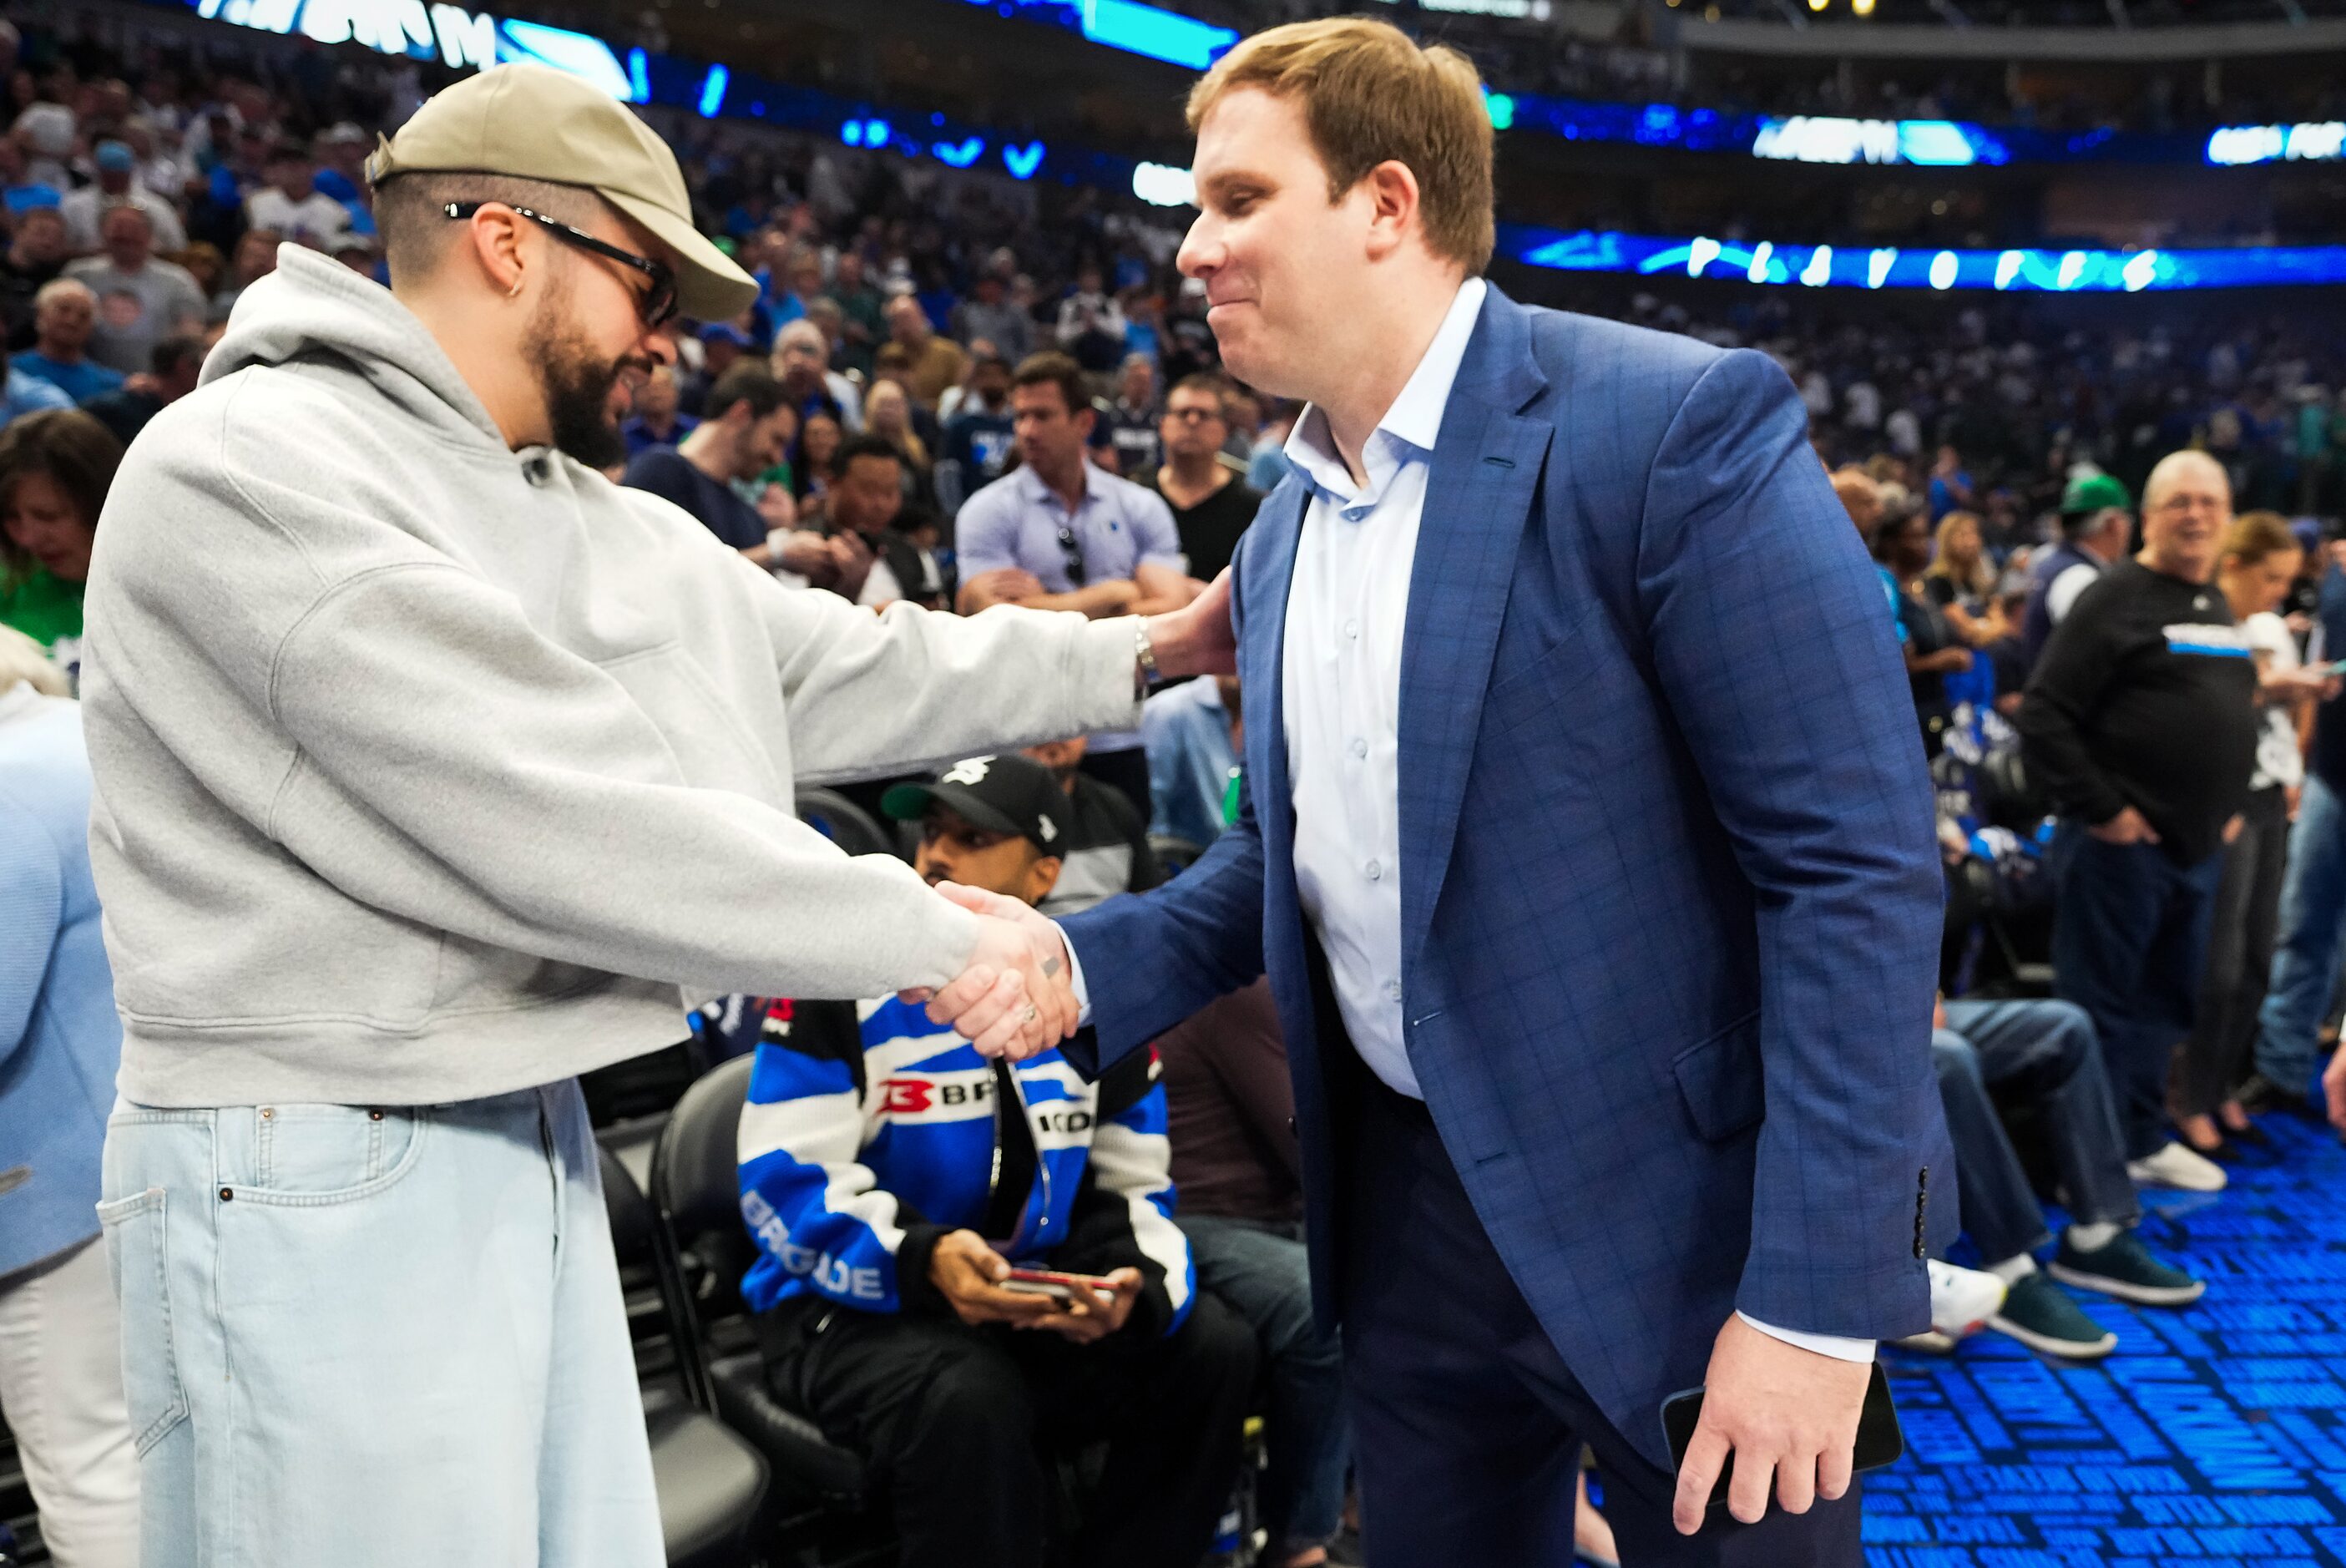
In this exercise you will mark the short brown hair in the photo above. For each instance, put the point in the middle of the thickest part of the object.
(1370, 94)
(1053, 369)
(1212, 385)
(2255, 536)
(69, 448)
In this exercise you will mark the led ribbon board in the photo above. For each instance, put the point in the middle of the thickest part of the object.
(459, 38)
(1891, 266)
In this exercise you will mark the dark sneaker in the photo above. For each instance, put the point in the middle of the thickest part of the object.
(2260, 1094)
(2038, 1314)
(2126, 1269)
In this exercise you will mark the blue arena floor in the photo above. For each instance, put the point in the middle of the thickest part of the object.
(2213, 1436)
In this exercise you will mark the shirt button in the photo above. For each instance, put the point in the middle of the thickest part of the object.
(1352, 629)
(1375, 871)
(1359, 748)
(1393, 990)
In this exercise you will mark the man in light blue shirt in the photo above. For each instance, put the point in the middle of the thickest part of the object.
(1191, 733)
(65, 314)
(1058, 532)
(27, 393)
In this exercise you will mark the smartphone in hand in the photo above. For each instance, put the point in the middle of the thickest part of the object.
(1878, 1439)
(1060, 1287)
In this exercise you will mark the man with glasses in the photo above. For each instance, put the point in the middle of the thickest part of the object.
(1061, 533)
(1206, 487)
(433, 769)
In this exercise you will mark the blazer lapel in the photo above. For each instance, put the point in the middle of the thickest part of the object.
(1484, 478)
(1269, 568)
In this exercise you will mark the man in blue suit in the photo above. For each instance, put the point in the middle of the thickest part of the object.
(1588, 850)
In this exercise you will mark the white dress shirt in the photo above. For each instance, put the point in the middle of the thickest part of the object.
(1347, 607)
(1341, 680)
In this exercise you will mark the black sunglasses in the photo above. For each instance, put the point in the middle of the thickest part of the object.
(1073, 549)
(655, 305)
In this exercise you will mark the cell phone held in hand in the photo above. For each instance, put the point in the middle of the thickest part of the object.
(1059, 1287)
(1878, 1439)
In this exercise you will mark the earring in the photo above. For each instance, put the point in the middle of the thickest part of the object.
(515, 291)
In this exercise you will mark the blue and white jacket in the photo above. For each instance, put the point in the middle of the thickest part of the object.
(869, 1132)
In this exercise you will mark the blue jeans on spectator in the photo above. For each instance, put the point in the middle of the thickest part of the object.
(2129, 946)
(2313, 940)
(376, 1336)
(2044, 1053)
(1258, 1269)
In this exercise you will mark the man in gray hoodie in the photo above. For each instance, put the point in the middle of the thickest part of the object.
(433, 769)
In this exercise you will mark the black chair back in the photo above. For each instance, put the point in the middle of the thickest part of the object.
(711, 1480)
(696, 1196)
(844, 823)
(630, 1213)
(696, 1205)
(1174, 853)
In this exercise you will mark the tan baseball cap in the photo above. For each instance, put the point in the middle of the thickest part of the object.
(534, 122)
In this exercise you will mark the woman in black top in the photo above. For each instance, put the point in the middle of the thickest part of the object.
(2260, 560)
(815, 466)
(1934, 649)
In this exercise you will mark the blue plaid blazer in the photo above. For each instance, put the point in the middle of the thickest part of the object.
(1671, 894)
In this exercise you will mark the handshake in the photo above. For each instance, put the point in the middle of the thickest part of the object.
(1016, 997)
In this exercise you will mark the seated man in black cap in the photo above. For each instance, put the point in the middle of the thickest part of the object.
(894, 1179)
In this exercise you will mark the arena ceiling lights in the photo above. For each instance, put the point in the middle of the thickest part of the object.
(464, 38)
(1892, 267)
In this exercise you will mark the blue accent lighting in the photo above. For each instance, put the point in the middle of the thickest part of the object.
(712, 92)
(1160, 34)
(579, 55)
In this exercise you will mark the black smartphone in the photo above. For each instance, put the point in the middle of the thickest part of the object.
(1878, 1439)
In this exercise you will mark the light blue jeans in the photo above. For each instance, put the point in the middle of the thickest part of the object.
(2312, 938)
(364, 1336)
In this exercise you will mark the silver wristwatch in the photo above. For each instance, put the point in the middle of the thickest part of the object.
(1144, 673)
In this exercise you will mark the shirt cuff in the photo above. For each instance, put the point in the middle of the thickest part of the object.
(1075, 981)
(1838, 1347)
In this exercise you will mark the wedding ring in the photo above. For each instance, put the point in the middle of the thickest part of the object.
(1032, 1013)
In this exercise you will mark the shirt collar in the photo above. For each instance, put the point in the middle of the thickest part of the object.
(1414, 420)
(1038, 490)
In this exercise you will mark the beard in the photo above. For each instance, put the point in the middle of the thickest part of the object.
(578, 382)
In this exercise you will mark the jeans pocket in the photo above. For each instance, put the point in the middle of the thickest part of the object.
(313, 1155)
(137, 1248)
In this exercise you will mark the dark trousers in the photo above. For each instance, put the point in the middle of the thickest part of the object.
(1258, 1269)
(1125, 770)
(2240, 957)
(959, 1425)
(2129, 944)
(2043, 1055)
(1466, 1424)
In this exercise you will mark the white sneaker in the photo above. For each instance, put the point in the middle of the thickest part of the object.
(2177, 1166)
(1962, 1299)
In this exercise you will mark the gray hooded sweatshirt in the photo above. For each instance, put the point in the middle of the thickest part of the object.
(427, 769)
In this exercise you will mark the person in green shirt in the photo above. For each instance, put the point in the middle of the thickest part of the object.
(54, 469)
